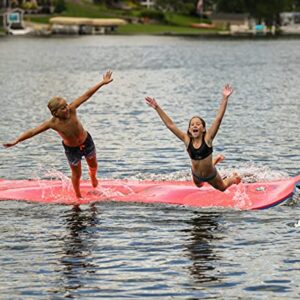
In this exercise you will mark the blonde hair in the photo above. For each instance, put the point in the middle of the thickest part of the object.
(54, 103)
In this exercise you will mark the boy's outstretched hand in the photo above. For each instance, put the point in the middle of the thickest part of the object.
(227, 91)
(151, 102)
(107, 77)
(10, 144)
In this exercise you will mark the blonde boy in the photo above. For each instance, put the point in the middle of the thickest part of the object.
(76, 141)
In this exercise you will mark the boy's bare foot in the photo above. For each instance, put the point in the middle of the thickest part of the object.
(218, 158)
(78, 196)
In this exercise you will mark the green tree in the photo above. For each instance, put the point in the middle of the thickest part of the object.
(232, 6)
(268, 10)
(178, 6)
(262, 10)
(60, 6)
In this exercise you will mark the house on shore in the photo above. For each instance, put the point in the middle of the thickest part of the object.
(13, 22)
(70, 25)
(147, 3)
(290, 22)
(241, 25)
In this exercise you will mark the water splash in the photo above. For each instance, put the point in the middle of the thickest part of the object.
(174, 176)
(250, 173)
(49, 174)
(42, 176)
(109, 193)
(241, 198)
(66, 194)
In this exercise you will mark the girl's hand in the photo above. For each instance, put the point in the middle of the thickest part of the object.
(151, 102)
(107, 77)
(227, 91)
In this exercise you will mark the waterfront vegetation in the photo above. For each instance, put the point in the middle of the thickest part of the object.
(173, 17)
(172, 23)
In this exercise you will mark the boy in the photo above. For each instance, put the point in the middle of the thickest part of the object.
(76, 140)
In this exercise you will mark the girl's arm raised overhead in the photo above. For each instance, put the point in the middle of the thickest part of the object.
(213, 130)
(167, 120)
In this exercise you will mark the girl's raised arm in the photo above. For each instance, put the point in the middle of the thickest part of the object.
(167, 120)
(213, 130)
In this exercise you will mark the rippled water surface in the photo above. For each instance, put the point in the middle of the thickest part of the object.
(137, 251)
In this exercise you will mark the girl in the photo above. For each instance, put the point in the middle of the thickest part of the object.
(198, 142)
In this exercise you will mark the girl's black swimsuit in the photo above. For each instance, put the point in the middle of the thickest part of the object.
(198, 154)
(202, 152)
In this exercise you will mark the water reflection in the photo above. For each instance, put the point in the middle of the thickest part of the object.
(78, 245)
(203, 232)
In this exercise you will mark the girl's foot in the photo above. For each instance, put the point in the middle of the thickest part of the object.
(218, 158)
(233, 179)
(236, 179)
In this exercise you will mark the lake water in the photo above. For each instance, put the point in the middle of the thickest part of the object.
(137, 251)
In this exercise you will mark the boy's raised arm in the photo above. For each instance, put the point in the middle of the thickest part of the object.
(29, 134)
(90, 92)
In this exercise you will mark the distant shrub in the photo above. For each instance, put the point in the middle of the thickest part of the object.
(188, 9)
(60, 6)
(153, 14)
(29, 5)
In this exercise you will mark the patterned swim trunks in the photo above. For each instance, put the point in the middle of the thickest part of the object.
(75, 154)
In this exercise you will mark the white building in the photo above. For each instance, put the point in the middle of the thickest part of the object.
(290, 22)
(147, 3)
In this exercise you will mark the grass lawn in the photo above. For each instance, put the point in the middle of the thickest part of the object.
(161, 29)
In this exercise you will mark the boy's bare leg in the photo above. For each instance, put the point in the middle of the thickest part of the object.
(93, 165)
(76, 175)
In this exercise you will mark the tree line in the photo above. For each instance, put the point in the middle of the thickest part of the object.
(266, 10)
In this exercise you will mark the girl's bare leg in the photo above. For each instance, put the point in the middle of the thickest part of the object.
(233, 179)
(221, 185)
(218, 158)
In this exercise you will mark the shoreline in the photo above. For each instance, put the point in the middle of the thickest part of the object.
(210, 36)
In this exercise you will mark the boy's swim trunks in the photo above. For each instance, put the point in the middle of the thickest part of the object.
(87, 149)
